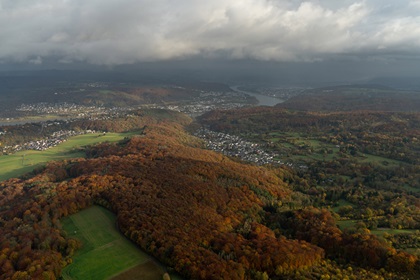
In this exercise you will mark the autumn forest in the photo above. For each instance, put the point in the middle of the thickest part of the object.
(208, 216)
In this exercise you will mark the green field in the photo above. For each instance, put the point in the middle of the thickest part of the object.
(343, 224)
(23, 162)
(105, 252)
(340, 204)
(301, 147)
(411, 189)
(368, 158)
(380, 232)
(106, 91)
(29, 119)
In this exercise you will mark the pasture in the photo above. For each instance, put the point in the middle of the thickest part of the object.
(105, 252)
(301, 147)
(22, 162)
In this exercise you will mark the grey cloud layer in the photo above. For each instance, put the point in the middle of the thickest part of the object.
(126, 31)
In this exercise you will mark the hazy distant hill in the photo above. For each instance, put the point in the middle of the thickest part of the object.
(407, 83)
(355, 97)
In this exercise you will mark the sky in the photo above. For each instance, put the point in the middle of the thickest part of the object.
(381, 36)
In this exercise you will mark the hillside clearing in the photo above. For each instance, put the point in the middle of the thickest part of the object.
(105, 251)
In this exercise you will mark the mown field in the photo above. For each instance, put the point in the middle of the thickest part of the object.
(105, 253)
(23, 162)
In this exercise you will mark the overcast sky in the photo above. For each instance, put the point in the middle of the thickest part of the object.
(118, 32)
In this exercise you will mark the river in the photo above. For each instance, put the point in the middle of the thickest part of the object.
(263, 100)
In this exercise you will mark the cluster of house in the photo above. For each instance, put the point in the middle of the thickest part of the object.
(55, 108)
(232, 145)
(41, 145)
(210, 100)
(74, 110)
(55, 139)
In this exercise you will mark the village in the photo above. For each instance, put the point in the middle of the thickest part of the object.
(234, 146)
(204, 101)
(208, 101)
(66, 109)
(55, 139)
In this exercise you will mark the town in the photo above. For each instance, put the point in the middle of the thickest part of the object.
(55, 139)
(201, 101)
(65, 109)
(210, 100)
(234, 146)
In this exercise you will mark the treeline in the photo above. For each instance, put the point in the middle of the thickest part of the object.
(202, 214)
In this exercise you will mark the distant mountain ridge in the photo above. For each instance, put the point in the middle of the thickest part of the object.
(369, 97)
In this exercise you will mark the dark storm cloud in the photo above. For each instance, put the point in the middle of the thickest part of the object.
(111, 32)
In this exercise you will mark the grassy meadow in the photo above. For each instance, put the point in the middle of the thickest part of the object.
(301, 147)
(22, 162)
(345, 224)
(105, 252)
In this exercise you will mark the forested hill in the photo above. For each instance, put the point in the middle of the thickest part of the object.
(199, 212)
(355, 98)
